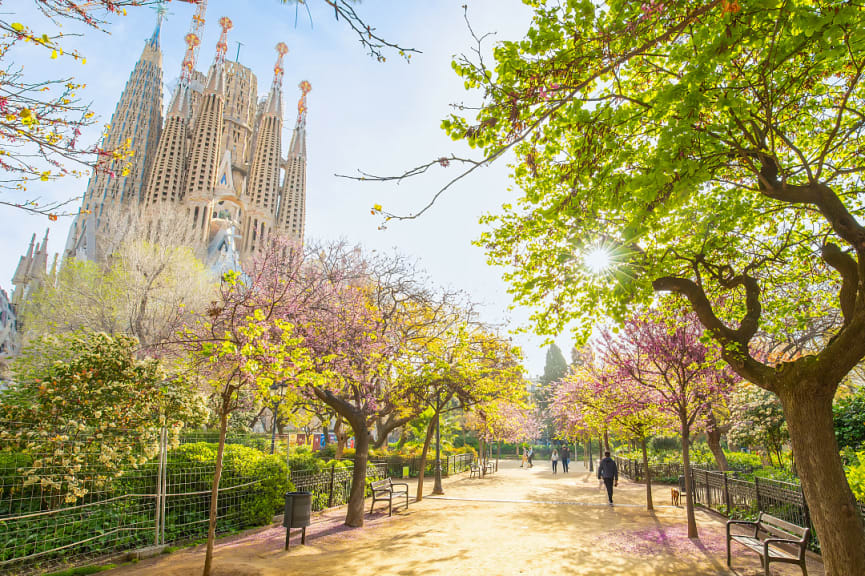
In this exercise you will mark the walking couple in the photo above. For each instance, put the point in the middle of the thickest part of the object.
(564, 456)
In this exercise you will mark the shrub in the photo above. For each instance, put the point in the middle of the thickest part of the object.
(856, 476)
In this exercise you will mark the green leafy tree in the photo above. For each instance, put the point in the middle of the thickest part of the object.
(87, 409)
(711, 149)
(460, 365)
(555, 366)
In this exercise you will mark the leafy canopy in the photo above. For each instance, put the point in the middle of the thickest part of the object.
(686, 140)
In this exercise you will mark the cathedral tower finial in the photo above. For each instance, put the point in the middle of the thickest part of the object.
(281, 50)
(221, 46)
(193, 41)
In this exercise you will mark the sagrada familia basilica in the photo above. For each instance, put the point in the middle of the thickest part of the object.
(213, 166)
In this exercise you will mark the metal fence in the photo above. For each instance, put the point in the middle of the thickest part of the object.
(332, 486)
(395, 466)
(54, 512)
(735, 497)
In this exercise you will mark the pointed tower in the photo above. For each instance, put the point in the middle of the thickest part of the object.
(291, 216)
(206, 139)
(115, 190)
(263, 187)
(30, 273)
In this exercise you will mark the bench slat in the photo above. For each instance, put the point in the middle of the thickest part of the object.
(778, 523)
(757, 546)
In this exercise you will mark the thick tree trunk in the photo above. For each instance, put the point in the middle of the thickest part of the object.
(421, 472)
(689, 485)
(483, 456)
(649, 504)
(713, 439)
(341, 433)
(606, 441)
(354, 514)
(214, 495)
(834, 513)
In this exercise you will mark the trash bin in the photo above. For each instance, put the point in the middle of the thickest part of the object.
(298, 511)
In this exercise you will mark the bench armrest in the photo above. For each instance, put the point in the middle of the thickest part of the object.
(393, 484)
(768, 541)
(755, 525)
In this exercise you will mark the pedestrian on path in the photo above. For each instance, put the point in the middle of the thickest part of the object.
(531, 453)
(554, 457)
(609, 472)
(565, 455)
(525, 459)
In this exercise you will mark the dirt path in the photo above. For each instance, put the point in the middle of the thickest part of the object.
(516, 521)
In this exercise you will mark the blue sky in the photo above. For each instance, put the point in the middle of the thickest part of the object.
(379, 117)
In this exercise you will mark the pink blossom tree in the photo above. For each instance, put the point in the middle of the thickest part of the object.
(591, 397)
(662, 352)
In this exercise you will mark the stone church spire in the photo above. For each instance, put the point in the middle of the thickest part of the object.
(206, 140)
(264, 170)
(115, 190)
(291, 217)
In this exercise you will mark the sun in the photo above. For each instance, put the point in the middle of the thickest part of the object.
(598, 259)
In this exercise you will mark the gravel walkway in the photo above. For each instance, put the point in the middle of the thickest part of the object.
(516, 521)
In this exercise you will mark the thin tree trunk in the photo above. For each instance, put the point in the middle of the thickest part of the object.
(713, 439)
(833, 509)
(483, 456)
(214, 494)
(649, 505)
(591, 458)
(607, 441)
(420, 476)
(689, 487)
(325, 433)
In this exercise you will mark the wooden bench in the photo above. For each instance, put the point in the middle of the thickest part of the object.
(387, 489)
(767, 547)
(475, 470)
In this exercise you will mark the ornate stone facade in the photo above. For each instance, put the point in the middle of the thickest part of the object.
(217, 160)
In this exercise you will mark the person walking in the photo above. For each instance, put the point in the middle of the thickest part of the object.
(529, 457)
(565, 456)
(554, 458)
(523, 463)
(609, 473)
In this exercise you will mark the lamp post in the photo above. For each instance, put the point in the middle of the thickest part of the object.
(437, 485)
(279, 389)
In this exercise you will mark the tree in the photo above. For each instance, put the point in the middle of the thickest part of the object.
(592, 397)
(244, 347)
(460, 366)
(87, 410)
(42, 119)
(555, 366)
(145, 290)
(757, 419)
(358, 315)
(660, 352)
(709, 149)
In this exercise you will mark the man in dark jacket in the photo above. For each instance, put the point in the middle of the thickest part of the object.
(609, 472)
